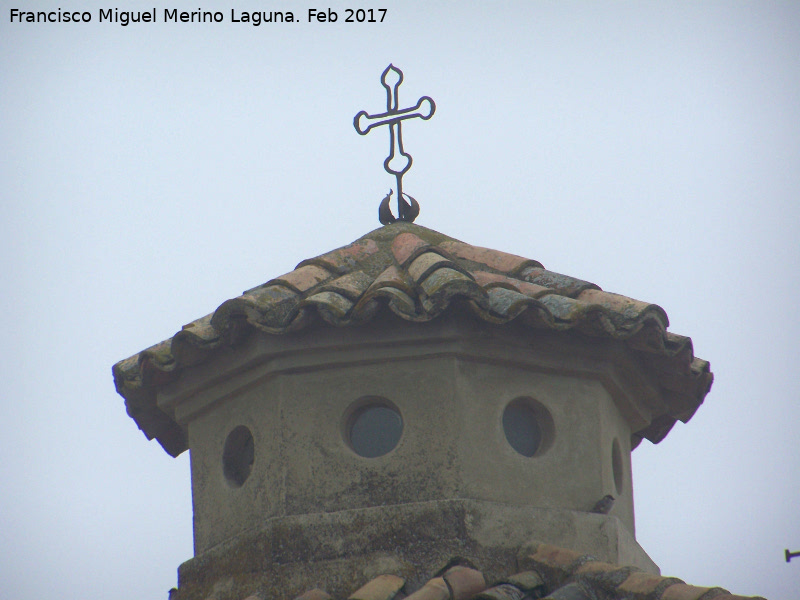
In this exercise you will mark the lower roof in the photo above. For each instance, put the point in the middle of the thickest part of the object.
(542, 571)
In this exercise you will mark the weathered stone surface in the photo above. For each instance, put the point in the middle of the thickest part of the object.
(289, 555)
(450, 381)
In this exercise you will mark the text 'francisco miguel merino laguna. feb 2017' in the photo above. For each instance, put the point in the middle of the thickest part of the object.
(173, 15)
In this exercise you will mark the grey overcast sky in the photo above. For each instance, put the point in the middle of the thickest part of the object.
(151, 172)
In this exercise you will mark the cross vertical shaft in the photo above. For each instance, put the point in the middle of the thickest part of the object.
(398, 162)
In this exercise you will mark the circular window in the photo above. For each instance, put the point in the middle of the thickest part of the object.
(528, 426)
(374, 428)
(238, 456)
(616, 465)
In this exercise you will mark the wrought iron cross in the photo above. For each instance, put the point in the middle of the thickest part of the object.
(398, 161)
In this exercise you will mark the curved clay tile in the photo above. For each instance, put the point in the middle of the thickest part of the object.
(503, 262)
(545, 571)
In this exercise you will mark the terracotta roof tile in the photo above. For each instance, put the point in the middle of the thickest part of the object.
(503, 262)
(563, 284)
(529, 582)
(489, 281)
(303, 278)
(345, 259)
(426, 263)
(192, 344)
(682, 591)
(565, 311)
(392, 276)
(274, 306)
(445, 284)
(383, 587)
(552, 563)
(572, 591)
(599, 571)
(315, 594)
(646, 585)
(551, 574)
(464, 582)
(504, 304)
(399, 302)
(352, 286)
(332, 307)
(418, 274)
(435, 589)
(503, 591)
(561, 568)
(407, 246)
(623, 311)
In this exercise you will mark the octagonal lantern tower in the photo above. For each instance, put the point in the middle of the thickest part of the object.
(407, 399)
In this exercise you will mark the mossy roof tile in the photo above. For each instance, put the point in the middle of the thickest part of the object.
(550, 573)
(464, 583)
(418, 274)
(435, 589)
(383, 587)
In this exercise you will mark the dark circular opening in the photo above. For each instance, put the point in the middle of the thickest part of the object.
(238, 456)
(616, 465)
(522, 428)
(374, 429)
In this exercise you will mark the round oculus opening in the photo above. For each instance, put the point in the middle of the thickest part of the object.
(374, 428)
(238, 456)
(616, 465)
(528, 426)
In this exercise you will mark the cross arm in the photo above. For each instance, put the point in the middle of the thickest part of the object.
(392, 117)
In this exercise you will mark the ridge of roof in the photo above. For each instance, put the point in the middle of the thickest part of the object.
(418, 274)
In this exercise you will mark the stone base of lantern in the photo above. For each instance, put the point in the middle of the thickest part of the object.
(336, 551)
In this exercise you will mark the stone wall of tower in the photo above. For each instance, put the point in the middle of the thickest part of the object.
(450, 381)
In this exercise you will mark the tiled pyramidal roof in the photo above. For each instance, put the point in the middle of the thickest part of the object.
(545, 571)
(418, 274)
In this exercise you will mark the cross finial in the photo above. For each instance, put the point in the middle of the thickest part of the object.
(398, 161)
